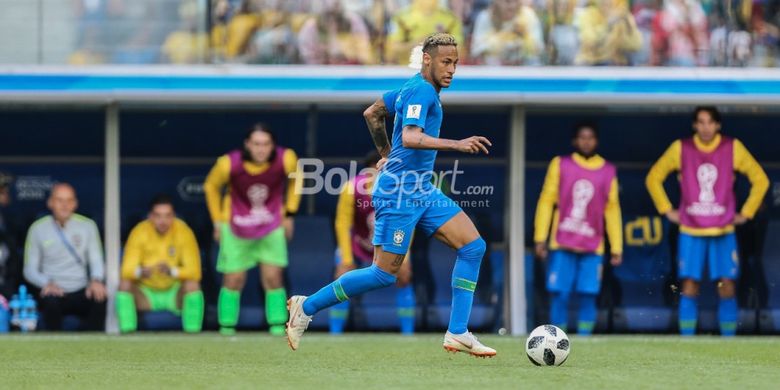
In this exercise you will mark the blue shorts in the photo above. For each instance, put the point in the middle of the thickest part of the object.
(720, 253)
(396, 218)
(568, 270)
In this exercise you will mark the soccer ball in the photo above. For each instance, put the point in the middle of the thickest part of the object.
(547, 345)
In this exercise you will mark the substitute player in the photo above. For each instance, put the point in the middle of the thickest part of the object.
(161, 270)
(404, 198)
(707, 212)
(354, 232)
(254, 223)
(584, 187)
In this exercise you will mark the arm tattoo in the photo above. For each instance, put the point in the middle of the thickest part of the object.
(376, 126)
(398, 260)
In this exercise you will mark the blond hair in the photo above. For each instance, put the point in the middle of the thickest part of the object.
(438, 39)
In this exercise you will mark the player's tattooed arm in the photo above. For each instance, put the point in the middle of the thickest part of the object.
(375, 120)
(413, 137)
(399, 259)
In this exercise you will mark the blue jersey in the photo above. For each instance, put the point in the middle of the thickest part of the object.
(416, 103)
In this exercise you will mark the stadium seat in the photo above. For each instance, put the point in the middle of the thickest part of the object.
(708, 313)
(310, 267)
(643, 304)
(377, 310)
(70, 323)
(769, 318)
(311, 260)
(159, 320)
(252, 313)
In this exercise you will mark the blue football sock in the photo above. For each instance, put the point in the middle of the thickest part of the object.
(688, 313)
(559, 309)
(464, 282)
(587, 315)
(405, 302)
(352, 283)
(727, 316)
(338, 317)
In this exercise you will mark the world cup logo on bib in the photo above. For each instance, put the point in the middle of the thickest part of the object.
(581, 195)
(258, 214)
(257, 195)
(577, 220)
(707, 175)
(707, 206)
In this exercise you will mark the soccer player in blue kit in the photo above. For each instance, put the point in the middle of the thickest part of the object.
(404, 197)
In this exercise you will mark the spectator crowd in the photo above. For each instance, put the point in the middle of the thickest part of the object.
(490, 32)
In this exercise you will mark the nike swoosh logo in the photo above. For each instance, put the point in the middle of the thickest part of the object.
(464, 344)
(294, 317)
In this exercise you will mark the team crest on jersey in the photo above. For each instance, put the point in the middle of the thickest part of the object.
(413, 111)
(398, 237)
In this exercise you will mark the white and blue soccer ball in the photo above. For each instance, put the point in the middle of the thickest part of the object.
(547, 345)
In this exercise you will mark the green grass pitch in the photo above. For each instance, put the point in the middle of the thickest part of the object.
(379, 361)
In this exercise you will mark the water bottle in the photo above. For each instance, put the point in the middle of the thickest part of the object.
(4, 325)
(23, 313)
(31, 315)
(15, 305)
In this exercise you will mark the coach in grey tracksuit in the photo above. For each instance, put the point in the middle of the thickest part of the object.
(64, 259)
